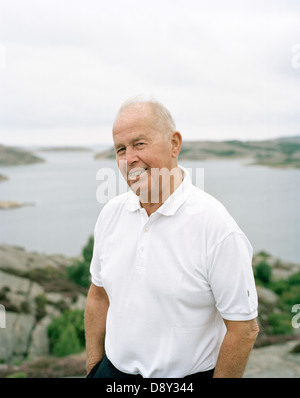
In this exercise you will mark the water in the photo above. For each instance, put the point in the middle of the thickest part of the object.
(63, 190)
(264, 201)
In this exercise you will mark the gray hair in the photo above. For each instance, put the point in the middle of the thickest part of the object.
(164, 120)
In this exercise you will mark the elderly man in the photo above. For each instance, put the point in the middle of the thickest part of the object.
(172, 292)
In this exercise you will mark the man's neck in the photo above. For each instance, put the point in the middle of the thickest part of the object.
(175, 180)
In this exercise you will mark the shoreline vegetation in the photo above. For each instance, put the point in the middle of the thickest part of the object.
(279, 153)
(282, 152)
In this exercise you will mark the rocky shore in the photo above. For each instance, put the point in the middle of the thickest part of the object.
(34, 291)
(274, 361)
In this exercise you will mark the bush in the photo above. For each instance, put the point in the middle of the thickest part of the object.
(279, 286)
(291, 296)
(288, 291)
(67, 343)
(79, 272)
(280, 323)
(66, 333)
(87, 251)
(263, 272)
(294, 279)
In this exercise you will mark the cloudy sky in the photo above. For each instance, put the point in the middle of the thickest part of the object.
(225, 69)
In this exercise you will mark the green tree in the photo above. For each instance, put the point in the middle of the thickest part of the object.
(263, 272)
(66, 333)
(67, 343)
(280, 323)
(79, 272)
(87, 251)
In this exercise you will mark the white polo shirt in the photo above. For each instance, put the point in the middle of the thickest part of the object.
(170, 279)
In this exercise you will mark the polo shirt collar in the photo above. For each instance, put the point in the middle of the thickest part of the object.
(174, 201)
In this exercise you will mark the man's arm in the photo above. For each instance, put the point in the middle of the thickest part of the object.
(236, 348)
(95, 324)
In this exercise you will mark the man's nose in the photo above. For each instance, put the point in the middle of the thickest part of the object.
(131, 156)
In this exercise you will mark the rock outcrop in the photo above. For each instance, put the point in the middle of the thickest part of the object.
(274, 361)
(33, 291)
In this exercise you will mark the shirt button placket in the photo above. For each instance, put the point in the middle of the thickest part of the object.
(143, 244)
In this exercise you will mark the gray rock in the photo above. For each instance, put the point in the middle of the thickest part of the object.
(266, 295)
(79, 303)
(29, 308)
(14, 283)
(15, 338)
(17, 259)
(56, 298)
(52, 311)
(275, 361)
(39, 346)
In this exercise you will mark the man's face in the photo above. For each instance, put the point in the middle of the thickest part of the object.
(141, 149)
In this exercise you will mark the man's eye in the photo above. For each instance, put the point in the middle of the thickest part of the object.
(120, 150)
(140, 143)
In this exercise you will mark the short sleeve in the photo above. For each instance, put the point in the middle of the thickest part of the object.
(231, 278)
(95, 267)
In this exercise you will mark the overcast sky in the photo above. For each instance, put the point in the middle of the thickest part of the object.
(225, 69)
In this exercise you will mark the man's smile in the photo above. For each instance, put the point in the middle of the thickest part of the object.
(134, 174)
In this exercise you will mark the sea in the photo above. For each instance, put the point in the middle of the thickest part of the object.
(65, 194)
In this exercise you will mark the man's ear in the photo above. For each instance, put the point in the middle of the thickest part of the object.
(176, 140)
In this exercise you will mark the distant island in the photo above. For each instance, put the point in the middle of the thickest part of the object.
(10, 156)
(3, 178)
(8, 204)
(280, 153)
(64, 149)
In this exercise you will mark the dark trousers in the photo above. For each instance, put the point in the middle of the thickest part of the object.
(105, 369)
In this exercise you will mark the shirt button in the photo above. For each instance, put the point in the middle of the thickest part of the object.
(146, 229)
(141, 249)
